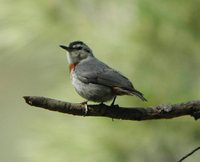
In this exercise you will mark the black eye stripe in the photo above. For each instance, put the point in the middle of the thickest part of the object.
(79, 48)
(87, 50)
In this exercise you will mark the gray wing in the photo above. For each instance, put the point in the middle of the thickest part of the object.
(96, 72)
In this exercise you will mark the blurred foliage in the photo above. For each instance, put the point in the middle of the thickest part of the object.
(154, 43)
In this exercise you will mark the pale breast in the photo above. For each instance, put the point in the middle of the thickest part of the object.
(92, 92)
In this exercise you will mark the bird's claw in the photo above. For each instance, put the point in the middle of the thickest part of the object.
(86, 107)
(113, 102)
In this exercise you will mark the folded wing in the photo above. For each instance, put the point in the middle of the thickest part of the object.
(96, 72)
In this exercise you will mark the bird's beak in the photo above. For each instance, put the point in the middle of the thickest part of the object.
(65, 47)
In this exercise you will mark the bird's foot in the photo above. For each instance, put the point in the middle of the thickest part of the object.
(84, 102)
(86, 107)
(113, 102)
(101, 104)
(115, 106)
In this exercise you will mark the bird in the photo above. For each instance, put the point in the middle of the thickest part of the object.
(94, 80)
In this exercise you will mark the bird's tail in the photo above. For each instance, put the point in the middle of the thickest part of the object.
(138, 94)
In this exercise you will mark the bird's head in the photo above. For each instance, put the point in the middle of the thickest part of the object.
(77, 51)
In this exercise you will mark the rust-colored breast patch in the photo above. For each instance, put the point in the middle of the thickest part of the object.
(72, 67)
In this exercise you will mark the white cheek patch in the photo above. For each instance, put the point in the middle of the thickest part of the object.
(69, 59)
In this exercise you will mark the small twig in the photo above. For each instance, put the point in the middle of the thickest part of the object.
(189, 154)
(191, 108)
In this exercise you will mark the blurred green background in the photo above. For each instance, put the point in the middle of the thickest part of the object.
(154, 43)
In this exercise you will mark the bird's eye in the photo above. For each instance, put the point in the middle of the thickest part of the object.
(79, 48)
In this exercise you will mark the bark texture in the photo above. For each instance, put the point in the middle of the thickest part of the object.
(191, 108)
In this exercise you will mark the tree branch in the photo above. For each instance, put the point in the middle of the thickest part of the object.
(191, 108)
(189, 154)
